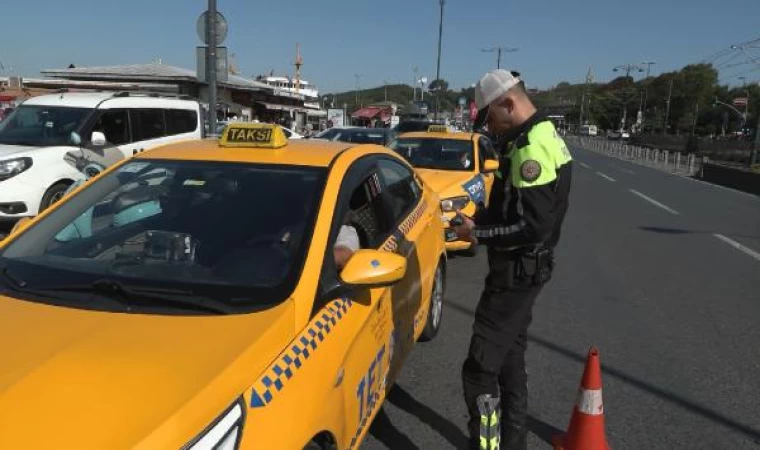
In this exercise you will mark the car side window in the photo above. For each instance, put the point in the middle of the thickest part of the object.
(366, 214)
(486, 150)
(401, 191)
(147, 124)
(180, 121)
(114, 124)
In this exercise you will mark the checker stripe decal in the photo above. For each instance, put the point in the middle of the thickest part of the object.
(276, 377)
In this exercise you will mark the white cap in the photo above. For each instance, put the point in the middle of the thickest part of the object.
(493, 85)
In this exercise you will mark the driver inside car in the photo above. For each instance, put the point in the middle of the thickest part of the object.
(346, 244)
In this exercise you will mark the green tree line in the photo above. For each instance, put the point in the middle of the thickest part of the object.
(692, 91)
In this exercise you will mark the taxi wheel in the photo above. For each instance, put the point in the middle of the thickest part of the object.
(435, 314)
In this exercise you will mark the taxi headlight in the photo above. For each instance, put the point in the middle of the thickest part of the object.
(224, 433)
(12, 167)
(454, 204)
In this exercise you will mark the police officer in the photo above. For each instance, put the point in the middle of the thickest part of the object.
(521, 227)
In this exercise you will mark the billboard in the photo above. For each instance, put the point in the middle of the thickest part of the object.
(336, 118)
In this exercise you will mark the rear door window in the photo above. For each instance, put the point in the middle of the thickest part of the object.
(180, 121)
(147, 124)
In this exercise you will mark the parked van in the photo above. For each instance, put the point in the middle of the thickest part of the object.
(48, 140)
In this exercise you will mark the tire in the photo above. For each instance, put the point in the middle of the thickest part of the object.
(53, 194)
(435, 313)
(315, 445)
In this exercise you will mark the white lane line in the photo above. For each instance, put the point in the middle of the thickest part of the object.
(653, 201)
(629, 172)
(738, 246)
(606, 177)
(584, 165)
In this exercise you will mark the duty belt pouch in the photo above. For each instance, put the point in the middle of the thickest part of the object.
(536, 266)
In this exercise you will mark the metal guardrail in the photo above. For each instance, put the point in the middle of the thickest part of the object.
(673, 162)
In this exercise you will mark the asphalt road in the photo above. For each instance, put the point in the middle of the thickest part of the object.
(672, 307)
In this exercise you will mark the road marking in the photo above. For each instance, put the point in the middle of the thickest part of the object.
(738, 246)
(629, 172)
(584, 165)
(653, 201)
(606, 177)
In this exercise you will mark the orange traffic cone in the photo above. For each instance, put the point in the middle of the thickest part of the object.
(586, 430)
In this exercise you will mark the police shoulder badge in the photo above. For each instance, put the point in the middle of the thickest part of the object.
(530, 170)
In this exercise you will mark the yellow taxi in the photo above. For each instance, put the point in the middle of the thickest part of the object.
(458, 166)
(191, 298)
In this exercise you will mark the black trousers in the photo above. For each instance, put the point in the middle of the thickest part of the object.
(495, 362)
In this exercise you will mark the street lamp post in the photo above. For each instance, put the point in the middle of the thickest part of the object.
(358, 76)
(438, 69)
(649, 64)
(498, 49)
(746, 103)
(211, 64)
(628, 68)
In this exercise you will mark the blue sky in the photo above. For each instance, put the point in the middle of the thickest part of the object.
(558, 39)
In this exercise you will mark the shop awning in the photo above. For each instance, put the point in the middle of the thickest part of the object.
(371, 112)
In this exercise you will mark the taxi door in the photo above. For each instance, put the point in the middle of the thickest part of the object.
(418, 240)
(377, 316)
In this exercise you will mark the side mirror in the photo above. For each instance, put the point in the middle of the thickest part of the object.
(491, 165)
(98, 139)
(373, 268)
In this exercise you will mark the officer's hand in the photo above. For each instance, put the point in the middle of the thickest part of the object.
(464, 231)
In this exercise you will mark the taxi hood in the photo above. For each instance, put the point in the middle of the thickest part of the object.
(86, 379)
(446, 183)
(8, 151)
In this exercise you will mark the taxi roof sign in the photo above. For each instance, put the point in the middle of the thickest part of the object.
(438, 129)
(253, 135)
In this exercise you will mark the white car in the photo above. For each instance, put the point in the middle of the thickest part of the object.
(48, 140)
(290, 134)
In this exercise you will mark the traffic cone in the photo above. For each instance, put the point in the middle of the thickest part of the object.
(586, 430)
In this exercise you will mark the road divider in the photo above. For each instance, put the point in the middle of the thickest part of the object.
(606, 177)
(742, 248)
(654, 202)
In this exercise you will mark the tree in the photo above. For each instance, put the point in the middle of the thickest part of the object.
(435, 84)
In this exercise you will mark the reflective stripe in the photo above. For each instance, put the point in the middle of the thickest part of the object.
(498, 231)
(489, 444)
(590, 402)
(490, 434)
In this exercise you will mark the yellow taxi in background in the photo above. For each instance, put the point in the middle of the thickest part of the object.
(190, 298)
(458, 166)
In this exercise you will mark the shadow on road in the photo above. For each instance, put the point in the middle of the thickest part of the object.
(543, 430)
(676, 399)
(664, 230)
(384, 431)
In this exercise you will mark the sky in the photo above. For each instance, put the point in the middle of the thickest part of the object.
(558, 40)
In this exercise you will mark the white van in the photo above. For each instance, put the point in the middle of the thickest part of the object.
(44, 141)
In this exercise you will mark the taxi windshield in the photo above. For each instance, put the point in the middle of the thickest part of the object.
(42, 125)
(434, 153)
(217, 228)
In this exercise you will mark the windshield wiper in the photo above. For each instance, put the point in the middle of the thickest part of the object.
(145, 296)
